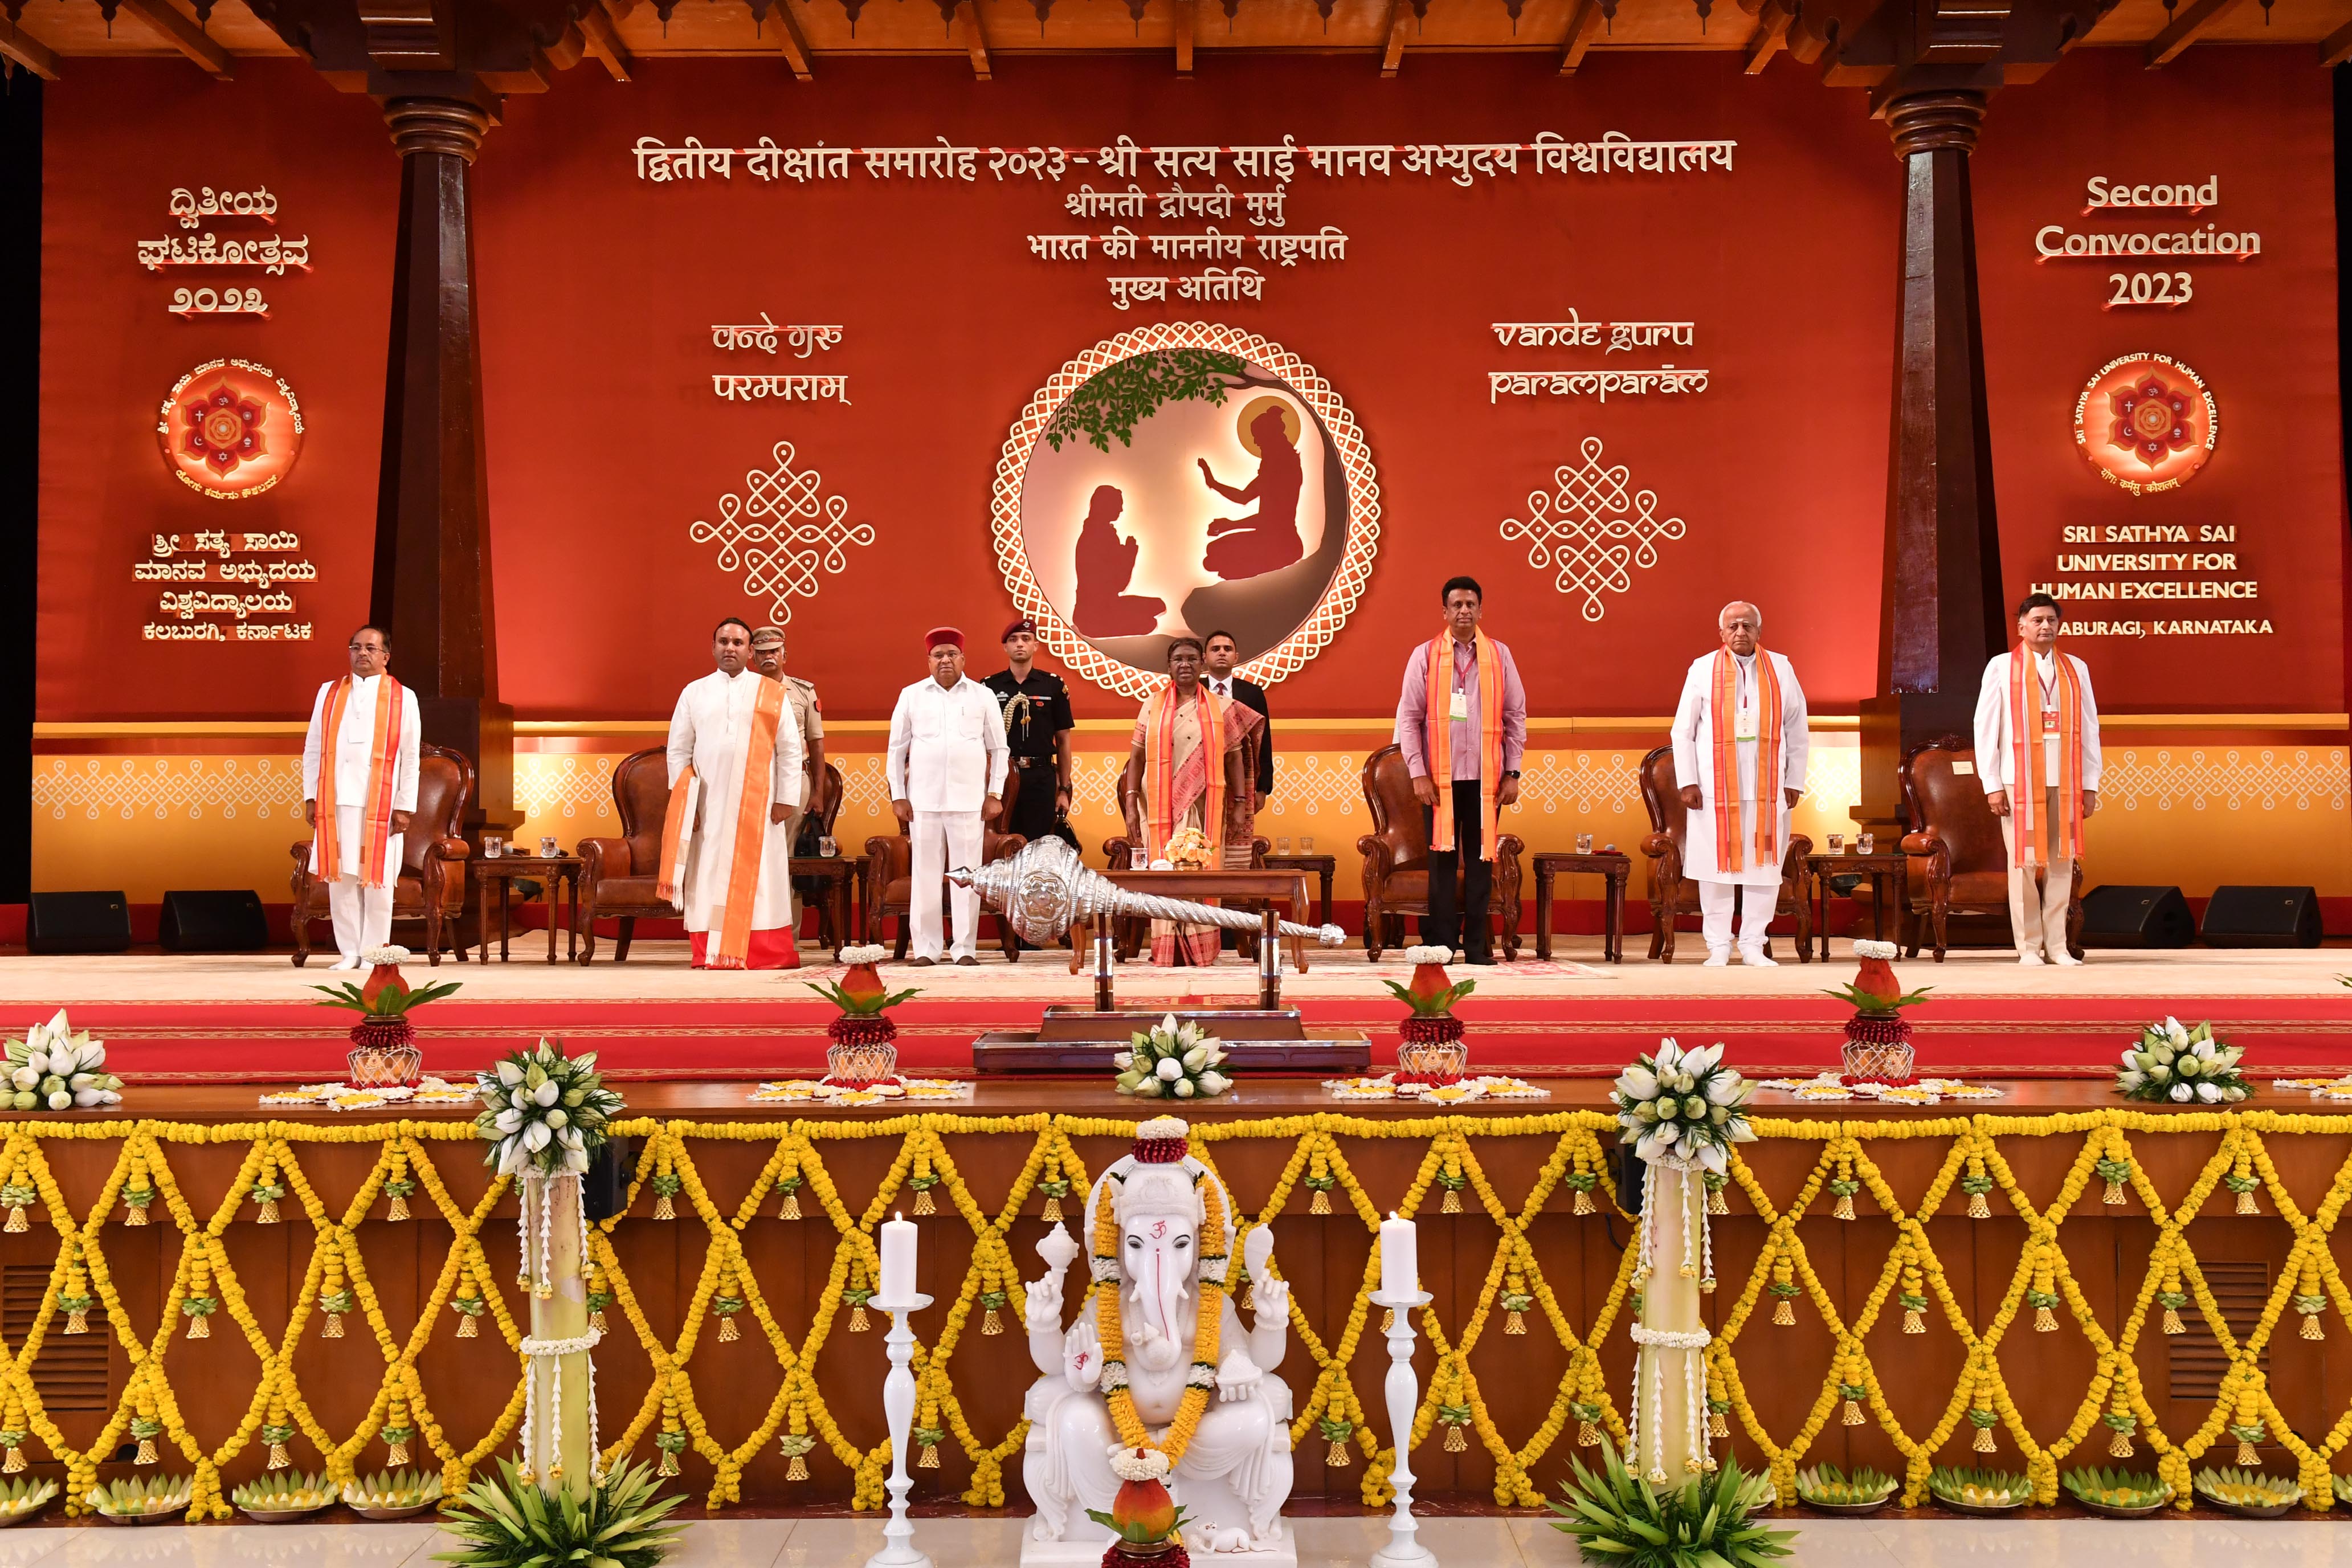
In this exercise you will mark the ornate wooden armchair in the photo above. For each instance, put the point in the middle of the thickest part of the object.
(619, 877)
(889, 876)
(1396, 860)
(1671, 895)
(430, 886)
(1953, 860)
(1241, 823)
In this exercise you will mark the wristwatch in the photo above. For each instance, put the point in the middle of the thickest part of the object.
(1510, 773)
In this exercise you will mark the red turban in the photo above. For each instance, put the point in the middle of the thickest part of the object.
(943, 634)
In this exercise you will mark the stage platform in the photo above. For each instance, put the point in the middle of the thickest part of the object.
(172, 1018)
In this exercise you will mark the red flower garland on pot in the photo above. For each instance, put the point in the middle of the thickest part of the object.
(862, 1047)
(1431, 1051)
(385, 1039)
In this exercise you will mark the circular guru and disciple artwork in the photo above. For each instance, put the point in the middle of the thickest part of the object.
(1186, 489)
(2146, 422)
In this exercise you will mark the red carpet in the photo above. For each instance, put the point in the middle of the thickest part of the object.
(2009, 1037)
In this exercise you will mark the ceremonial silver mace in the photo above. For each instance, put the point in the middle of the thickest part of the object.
(1046, 890)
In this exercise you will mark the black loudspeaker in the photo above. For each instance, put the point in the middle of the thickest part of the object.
(2115, 916)
(78, 922)
(604, 1188)
(2262, 917)
(217, 920)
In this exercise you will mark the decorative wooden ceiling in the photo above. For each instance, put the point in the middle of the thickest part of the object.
(48, 37)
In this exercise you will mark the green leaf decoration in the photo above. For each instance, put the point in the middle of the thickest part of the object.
(510, 1523)
(1616, 1517)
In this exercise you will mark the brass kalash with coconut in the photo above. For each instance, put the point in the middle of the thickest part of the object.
(1046, 892)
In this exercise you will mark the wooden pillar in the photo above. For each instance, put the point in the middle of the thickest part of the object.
(432, 585)
(1941, 617)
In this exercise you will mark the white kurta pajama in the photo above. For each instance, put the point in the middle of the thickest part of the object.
(1695, 764)
(947, 757)
(2038, 897)
(361, 914)
(712, 730)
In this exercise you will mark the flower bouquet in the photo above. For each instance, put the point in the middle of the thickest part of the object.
(1431, 1051)
(1188, 849)
(1682, 1105)
(2182, 1065)
(1172, 1061)
(543, 1112)
(1142, 1515)
(54, 1068)
(1877, 1037)
(385, 1048)
(861, 1048)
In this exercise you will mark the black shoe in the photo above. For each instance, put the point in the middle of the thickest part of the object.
(1481, 956)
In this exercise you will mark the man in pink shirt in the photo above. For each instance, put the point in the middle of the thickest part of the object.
(1464, 709)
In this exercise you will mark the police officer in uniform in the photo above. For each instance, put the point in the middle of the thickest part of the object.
(1037, 723)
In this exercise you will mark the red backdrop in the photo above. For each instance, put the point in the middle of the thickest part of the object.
(598, 291)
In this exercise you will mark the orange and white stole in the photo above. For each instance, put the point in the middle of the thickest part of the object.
(1730, 850)
(1166, 794)
(731, 934)
(1438, 743)
(375, 807)
(2029, 723)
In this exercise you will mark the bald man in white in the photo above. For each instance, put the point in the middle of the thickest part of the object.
(1740, 749)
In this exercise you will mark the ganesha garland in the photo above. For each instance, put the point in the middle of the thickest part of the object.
(1156, 1374)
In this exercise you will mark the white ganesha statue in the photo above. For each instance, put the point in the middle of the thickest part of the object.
(1158, 1360)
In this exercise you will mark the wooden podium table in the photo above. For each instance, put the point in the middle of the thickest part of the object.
(1285, 886)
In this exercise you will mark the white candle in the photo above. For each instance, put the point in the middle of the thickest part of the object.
(897, 1287)
(1400, 1257)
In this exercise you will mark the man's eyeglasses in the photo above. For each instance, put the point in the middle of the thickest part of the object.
(366, 648)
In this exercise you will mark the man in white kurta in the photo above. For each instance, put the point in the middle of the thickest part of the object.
(1760, 825)
(947, 779)
(719, 725)
(2043, 700)
(371, 785)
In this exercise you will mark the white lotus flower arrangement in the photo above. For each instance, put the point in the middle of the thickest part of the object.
(544, 1112)
(1683, 1106)
(55, 1068)
(1172, 1061)
(2184, 1066)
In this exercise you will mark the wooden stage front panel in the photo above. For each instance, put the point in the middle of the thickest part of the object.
(1783, 1369)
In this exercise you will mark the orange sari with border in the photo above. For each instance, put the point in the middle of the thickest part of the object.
(2027, 720)
(732, 946)
(375, 809)
(1167, 797)
(1730, 847)
(1438, 741)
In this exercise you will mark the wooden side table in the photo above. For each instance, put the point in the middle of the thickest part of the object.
(1885, 868)
(836, 872)
(1325, 867)
(558, 873)
(1615, 866)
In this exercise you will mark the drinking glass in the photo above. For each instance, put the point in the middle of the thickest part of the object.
(1307, 846)
(1140, 860)
(1837, 843)
(1282, 844)
(1584, 844)
(1869, 843)
(493, 847)
(828, 846)
(547, 850)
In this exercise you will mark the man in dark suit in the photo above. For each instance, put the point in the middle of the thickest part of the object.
(1217, 673)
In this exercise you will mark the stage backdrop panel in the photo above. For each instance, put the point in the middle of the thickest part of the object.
(640, 489)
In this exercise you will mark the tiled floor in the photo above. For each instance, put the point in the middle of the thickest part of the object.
(1520, 1543)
